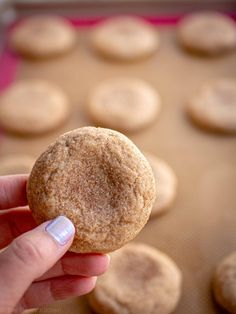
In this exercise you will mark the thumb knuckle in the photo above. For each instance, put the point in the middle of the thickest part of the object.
(26, 251)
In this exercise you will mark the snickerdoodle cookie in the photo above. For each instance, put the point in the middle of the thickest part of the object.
(15, 164)
(214, 105)
(125, 104)
(224, 283)
(32, 107)
(141, 279)
(208, 33)
(166, 184)
(43, 36)
(125, 38)
(100, 180)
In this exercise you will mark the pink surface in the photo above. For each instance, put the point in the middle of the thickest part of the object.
(155, 20)
(163, 20)
(8, 66)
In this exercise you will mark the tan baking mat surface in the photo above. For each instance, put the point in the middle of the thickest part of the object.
(201, 227)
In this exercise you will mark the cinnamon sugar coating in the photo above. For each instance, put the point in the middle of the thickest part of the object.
(100, 180)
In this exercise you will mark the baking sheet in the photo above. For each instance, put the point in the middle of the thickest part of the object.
(200, 228)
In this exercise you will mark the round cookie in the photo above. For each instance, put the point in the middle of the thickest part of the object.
(125, 38)
(166, 184)
(15, 164)
(141, 279)
(100, 180)
(124, 104)
(208, 33)
(224, 283)
(43, 36)
(31, 107)
(214, 106)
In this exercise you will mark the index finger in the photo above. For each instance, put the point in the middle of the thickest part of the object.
(13, 191)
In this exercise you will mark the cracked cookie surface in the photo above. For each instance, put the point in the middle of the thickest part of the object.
(100, 180)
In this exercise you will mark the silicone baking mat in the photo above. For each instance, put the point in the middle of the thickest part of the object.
(200, 227)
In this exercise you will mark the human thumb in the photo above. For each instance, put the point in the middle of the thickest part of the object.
(30, 255)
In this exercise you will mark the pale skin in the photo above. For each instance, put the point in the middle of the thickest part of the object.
(34, 269)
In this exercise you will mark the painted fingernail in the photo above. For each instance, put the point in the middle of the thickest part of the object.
(61, 229)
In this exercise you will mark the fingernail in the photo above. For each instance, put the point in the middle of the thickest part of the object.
(61, 229)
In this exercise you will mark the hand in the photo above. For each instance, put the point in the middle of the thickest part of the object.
(34, 269)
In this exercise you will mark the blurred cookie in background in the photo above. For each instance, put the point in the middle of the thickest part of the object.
(166, 184)
(125, 38)
(224, 283)
(124, 104)
(15, 164)
(208, 33)
(31, 107)
(214, 105)
(141, 279)
(43, 36)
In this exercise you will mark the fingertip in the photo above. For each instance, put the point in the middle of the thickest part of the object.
(99, 264)
(91, 284)
(85, 285)
(104, 263)
(85, 264)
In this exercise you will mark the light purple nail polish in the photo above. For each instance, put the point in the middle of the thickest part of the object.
(61, 229)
